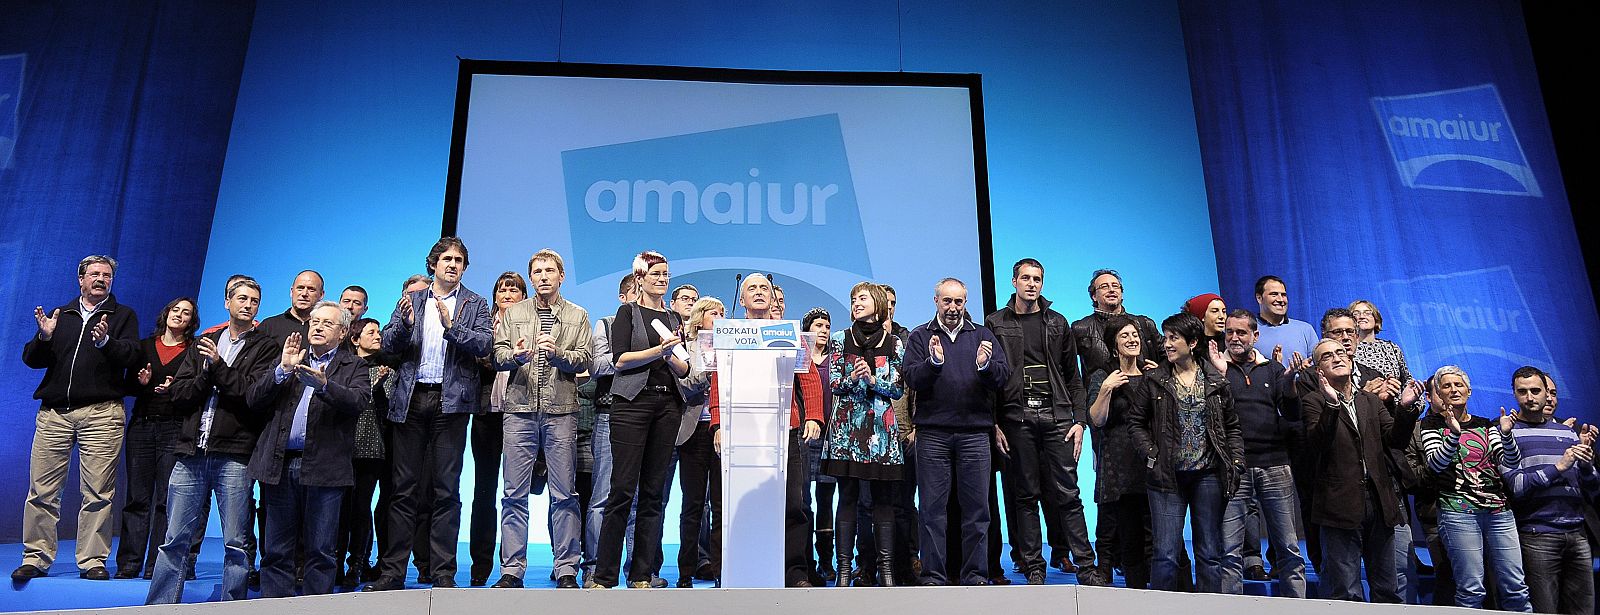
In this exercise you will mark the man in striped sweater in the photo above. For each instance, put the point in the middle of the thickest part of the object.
(1548, 487)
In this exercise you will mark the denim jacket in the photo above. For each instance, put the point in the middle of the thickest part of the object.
(573, 336)
(470, 334)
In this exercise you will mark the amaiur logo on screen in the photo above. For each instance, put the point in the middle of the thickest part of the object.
(746, 191)
(1458, 139)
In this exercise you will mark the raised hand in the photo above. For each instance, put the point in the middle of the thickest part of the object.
(1149, 365)
(100, 331)
(1571, 422)
(311, 376)
(1376, 387)
(207, 349)
(144, 375)
(1298, 362)
(1452, 418)
(1327, 388)
(444, 313)
(293, 353)
(1587, 434)
(985, 351)
(1411, 394)
(524, 353)
(406, 309)
(1507, 421)
(1218, 361)
(47, 324)
(936, 348)
(165, 384)
(1113, 380)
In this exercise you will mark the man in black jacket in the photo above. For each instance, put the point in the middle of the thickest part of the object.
(1042, 413)
(1106, 297)
(303, 459)
(214, 445)
(85, 348)
(1350, 433)
(1269, 420)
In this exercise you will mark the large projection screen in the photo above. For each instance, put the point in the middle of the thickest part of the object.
(821, 179)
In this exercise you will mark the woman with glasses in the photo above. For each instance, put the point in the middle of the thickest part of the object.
(645, 412)
(1382, 355)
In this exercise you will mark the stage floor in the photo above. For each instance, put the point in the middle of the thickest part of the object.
(64, 590)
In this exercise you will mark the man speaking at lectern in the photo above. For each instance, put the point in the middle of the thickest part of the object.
(805, 424)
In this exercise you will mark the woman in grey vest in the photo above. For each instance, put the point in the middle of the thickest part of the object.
(645, 412)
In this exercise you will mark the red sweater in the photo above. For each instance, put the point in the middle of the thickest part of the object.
(807, 404)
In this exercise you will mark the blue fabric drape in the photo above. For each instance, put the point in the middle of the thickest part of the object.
(1396, 151)
(121, 122)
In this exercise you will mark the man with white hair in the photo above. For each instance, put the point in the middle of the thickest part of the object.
(304, 457)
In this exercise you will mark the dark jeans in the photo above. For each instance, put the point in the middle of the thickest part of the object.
(429, 443)
(642, 434)
(1199, 494)
(1039, 449)
(797, 520)
(1345, 550)
(965, 453)
(303, 513)
(700, 478)
(355, 524)
(1131, 514)
(149, 454)
(484, 529)
(1559, 572)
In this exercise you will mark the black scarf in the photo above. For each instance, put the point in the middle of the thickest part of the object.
(867, 340)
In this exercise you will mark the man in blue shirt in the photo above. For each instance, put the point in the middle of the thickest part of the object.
(1282, 339)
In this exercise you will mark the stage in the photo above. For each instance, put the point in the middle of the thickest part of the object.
(63, 591)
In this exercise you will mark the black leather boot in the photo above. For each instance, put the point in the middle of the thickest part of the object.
(843, 576)
(825, 553)
(883, 534)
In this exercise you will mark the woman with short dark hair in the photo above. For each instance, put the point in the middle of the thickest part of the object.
(1182, 419)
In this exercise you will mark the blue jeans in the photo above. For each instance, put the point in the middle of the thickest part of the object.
(1466, 536)
(964, 454)
(194, 478)
(600, 444)
(1200, 495)
(1272, 490)
(524, 435)
(1560, 577)
(303, 514)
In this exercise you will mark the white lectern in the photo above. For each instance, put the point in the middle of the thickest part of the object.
(755, 363)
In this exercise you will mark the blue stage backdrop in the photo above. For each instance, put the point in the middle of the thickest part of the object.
(1396, 152)
(114, 119)
(341, 136)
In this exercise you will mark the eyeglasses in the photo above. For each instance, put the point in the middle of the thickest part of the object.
(1341, 332)
(659, 275)
(1361, 312)
(1109, 286)
(1333, 353)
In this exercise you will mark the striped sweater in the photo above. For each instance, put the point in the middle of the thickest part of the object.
(1546, 500)
(1472, 461)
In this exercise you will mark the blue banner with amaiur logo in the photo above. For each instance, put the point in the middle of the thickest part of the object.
(1397, 153)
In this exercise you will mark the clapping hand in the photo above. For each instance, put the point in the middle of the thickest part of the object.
(100, 331)
(311, 376)
(207, 349)
(546, 342)
(444, 313)
(1411, 394)
(936, 349)
(47, 324)
(524, 353)
(1507, 421)
(985, 351)
(862, 372)
(406, 309)
(1327, 388)
(293, 353)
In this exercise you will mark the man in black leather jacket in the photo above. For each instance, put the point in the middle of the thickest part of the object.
(1042, 414)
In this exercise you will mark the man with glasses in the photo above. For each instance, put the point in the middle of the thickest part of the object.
(303, 459)
(1107, 298)
(683, 299)
(1351, 433)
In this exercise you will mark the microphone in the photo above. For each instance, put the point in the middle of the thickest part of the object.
(664, 332)
(737, 292)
